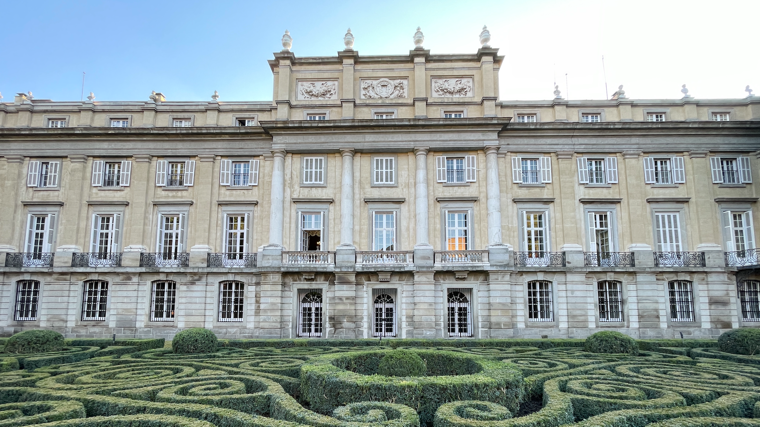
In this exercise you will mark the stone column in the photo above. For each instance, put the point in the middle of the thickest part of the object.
(494, 196)
(272, 253)
(423, 251)
(345, 254)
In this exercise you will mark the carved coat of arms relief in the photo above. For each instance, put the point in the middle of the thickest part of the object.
(384, 88)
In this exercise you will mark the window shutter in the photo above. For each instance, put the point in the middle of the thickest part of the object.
(253, 172)
(116, 245)
(161, 167)
(582, 170)
(51, 232)
(546, 169)
(33, 176)
(592, 232)
(679, 174)
(246, 227)
(390, 171)
(94, 233)
(610, 164)
(749, 231)
(440, 168)
(648, 170)
(728, 232)
(189, 173)
(717, 174)
(517, 170)
(745, 170)
(225, 172)
(524, 242)
(226, 236)
(29, 234)
(160, 238)
(378, 164)
(470, 168)
(97, 173)
(125, 174)
(53, 172)
(182, 234)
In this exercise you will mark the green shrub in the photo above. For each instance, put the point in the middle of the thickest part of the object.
(36, 341)
(740, 341)
(402, 363)
(194, 340)
(611, 342)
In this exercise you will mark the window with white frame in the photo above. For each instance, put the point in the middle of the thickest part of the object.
(316, 116)
(382, 116)
(95, 300)
(527, 118)
(600, 236)
(456, 170)
(731, 170)
(610, 301)
(231, 301)
(720, 117)
(43, 174)
(239, 173)
(384, 312)
(56, 123)
(749, 300)
(40, 238)
(163, 300)
(681, 296)
(597, 171)
(309, 313)
(591, 117)
(535, 238)
(175, 173)
(531, 170)
(119, 123)
(111, 174)
(739, 235)
(181, 123)
(312, 231)
(457, 231)
(667, 228)
(243, 122)
(664, 170)
(540, 308)
(459, 312)
(105, 236)
(314, 170)
(384, 231)
(453, 114)
(384, 170)
(27, 300)
(171, 236)
(235, 243)
(655, 117)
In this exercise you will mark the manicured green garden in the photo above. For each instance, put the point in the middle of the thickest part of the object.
(606, 380)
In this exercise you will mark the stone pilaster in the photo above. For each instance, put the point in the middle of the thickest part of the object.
(272, 323)
(424, 315)
(423, 251)
(343, 317)
(278, 190)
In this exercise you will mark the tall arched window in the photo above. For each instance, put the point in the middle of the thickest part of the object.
(681, 301)
(610, 301)
(163, 299)
(385, 313)
(231, 301)
(27, 300)
(749, 299)
(459, 312)
(310, 313)
(95, 300)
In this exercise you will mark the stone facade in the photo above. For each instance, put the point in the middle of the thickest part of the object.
(503, 218)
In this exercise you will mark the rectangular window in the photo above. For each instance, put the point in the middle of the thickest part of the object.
(112, 174)
(39, 242)
(240, 173)
(311, 231)
(534, 238)
(27, 300)
(527, 118)
(453, 114)
(681, 301)
(596, 172)
(43, 174)
(455, 169)
(245, 122)
(668, 232)
(655, 117)
(599, 236)
(720, 117)
(104, 234)
(530, 171)
(95, 300)
(310, 313)
(749, 299)
(235, 242)
(384, 231)
(163, 299)
(313, 170)
(170, 237)
(459, 312)
(56, 123)
(591, 117)
(176, 173)
(316, 117)
(540, 301)
(119, 123)
(662, 173)
(39, 234)
(385, 170)
(383, 116)
(457, 231)
(231, 301)
(384, 313)
(730, 171)
(739, 237)
(181, 123)
(610, 301)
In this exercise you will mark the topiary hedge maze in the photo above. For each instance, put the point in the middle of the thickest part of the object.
(488, 383)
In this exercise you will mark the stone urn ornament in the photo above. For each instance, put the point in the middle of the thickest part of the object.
(287, 41)
(485, 37)
(685, 91)
(348, 40)
(419, 38)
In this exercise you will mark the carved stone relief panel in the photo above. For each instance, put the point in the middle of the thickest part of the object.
(452, 87)
(319, 90)
(384, 88)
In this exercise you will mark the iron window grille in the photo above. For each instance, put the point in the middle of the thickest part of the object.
(232, 259)
(231, 301)
(610, 259)
(163, 300)
(459, 312)
(27, 300)
(681, 301)
(384, 304)
(679, 259)
(95, 300)
(540, 306)
(310, 313)
(610, 301)
(749, 299)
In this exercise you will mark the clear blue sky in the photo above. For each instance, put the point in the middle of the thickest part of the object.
(188, 49)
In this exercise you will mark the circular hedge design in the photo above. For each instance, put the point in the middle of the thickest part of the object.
(611, 342)
(35, 341)
(402, 363)
(194, 341)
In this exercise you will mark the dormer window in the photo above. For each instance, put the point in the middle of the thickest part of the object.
(181, 123)
(246, 122)
(316, 117)
(526, 118)
(453, 114)
(56, 123)
(591, 117)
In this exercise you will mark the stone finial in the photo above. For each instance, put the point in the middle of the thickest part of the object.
(152, 96)
(215, 96)
(419, 38)
(685, 92)
(348, 40)
(29, 95)
(746, 89)
(619, 94)
(91, 97)
(557, 93)
(287, 41)
(485, 37)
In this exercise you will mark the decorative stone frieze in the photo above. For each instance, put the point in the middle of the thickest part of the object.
(384, 88)
(320, 90)
(459, 87)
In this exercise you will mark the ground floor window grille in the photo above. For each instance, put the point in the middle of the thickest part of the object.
(749, 297)
(610, 301)
(459, 312)
(384, 304)
(27, 300)
(540, 307)
(231, 301)
(310, 313)
(681, 301)
(163, 300)
(95, 301)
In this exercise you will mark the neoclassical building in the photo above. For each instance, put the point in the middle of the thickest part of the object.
(380, 196)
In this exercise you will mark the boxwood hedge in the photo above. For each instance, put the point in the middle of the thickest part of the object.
(34, 341)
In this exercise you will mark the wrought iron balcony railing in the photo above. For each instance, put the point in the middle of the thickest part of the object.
(176, 259)
(742, 258)
(225, 260)
(384, 257)
(308, 258)
(679, 259)
(461, 257)
(96, 259)
(29, 259)
(539, 259)
(609, 259)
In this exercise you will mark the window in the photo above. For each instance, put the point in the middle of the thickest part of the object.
(95, 300)
(749, 299)
(181, 123)
(664, 170)
(527, 118)
(681, 301)
(111, 174)
(245, 122)
(384, 313)
(597, 171)
(175, 173)
(310, 313)
(739, 235)
(720, 117)
(163, 299)
(382, 116)
(610, 301)
(457, 231)
(534, 234)
(104, 241)
(591, 117)
(600, 242)
(43, 174)
(27, 300)
(119, 123)
(455, 170)
(313, 170)
(239, 173)
(231, 301)
(540, 301)
(528, 170)
(453, 114)
(731, 170)
(311, 231)
(655, 117)
(235, 242)
(56, 123)
(40, 237)
(384, 172)
(316, 116)
(668, 232)
(459, 312)
(171, 237)
(383, 231)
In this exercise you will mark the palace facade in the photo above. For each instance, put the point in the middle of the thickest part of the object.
(380, 196)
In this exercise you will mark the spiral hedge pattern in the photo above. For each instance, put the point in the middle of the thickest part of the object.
(496, 385)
